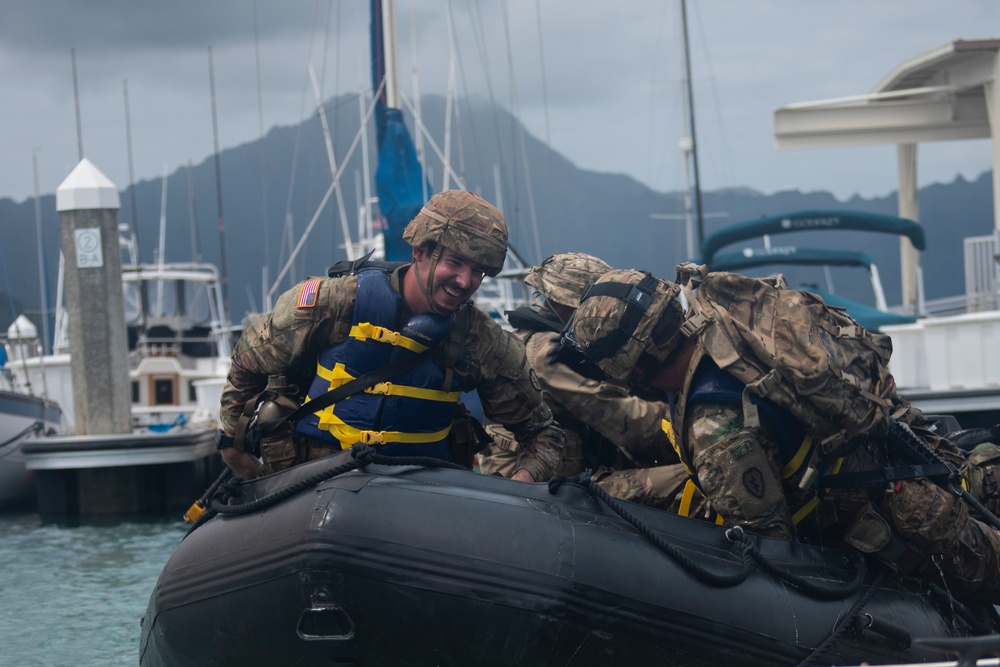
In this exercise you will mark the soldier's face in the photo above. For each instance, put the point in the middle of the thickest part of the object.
(455, 278)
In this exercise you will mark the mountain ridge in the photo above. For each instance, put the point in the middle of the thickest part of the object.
(606, 214)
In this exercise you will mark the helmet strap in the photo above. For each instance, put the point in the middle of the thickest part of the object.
(427, 286)
(637, 299)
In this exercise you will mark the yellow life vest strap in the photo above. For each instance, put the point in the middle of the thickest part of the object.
(799, 459)
(668, 428)
(368, 331)
(390, 389)
(804, 511)
(338, 375)
(687, 495)
(349, 435)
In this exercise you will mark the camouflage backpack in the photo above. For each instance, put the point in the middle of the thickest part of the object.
(790, 347)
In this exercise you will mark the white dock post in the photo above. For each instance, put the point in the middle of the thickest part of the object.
(88, 203)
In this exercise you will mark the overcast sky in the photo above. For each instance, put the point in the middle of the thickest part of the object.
(599, 81)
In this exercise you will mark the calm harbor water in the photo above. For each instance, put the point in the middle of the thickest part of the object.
(73, 593)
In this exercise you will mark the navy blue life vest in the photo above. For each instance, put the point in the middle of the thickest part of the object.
(713, 385)
(412, 413)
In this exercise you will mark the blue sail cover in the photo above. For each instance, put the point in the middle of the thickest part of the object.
(399, 179)
(399, 184)
(811, 220)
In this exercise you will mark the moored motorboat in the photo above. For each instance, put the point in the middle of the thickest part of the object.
(341, 561)
(23, 418)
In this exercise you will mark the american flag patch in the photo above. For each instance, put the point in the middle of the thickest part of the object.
(307, 293)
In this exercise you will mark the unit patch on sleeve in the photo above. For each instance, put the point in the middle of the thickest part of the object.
(308, 293)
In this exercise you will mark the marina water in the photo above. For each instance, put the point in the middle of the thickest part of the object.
(73, 593)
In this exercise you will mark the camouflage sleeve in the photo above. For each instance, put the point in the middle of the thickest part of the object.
(286, 340)
(495, 363)
(632, 423)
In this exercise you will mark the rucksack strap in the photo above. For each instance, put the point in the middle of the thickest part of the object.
(534, 318)
(349, 267)
(885, 475)
(637, 299)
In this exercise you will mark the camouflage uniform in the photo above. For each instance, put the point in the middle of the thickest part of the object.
(623, 435)
(484, 357)
(606, 413)
(913, 525)
(493, 362)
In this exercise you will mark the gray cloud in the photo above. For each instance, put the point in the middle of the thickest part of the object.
(610, 99)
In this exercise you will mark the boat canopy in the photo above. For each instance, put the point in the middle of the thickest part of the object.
(754, 257)
(811, 220)
(868, 317)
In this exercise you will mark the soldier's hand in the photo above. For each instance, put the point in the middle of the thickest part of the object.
(523, 476)
(242, 464)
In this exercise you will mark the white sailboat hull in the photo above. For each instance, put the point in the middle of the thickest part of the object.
(22, 418)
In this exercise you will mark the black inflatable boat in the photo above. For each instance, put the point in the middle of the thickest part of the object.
(346, 562)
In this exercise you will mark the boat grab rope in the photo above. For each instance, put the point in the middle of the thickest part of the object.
(36, 427)
(226, 500)
(751, 555)
(846, 622)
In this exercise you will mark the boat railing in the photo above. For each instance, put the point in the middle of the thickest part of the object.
(159, 347)
(982, 282)
(981, 273)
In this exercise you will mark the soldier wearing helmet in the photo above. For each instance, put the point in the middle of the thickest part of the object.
(417, 321)
(609, 430)
(630, 325)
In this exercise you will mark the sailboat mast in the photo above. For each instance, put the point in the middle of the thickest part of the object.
(399, 179)
(224, 278)
(141, 284)
(76, 100)
(389, 45)
(690, 108)
(43, 287)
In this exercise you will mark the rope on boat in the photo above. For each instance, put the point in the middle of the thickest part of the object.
(846, 621)
(227, 496)
(37, 427)
(750, 553)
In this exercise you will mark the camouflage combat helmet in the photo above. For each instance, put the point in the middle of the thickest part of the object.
(562, 278)
(464, 223)
(621, 316)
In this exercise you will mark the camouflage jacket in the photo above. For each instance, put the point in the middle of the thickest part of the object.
(493, 362)
(632, 423)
